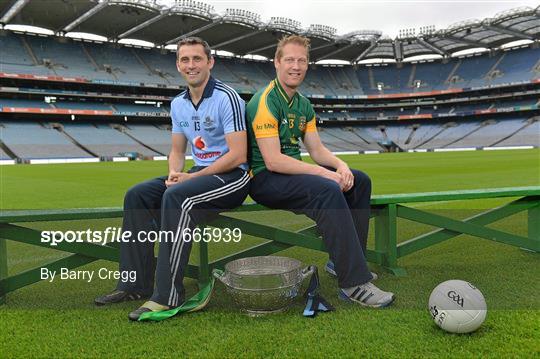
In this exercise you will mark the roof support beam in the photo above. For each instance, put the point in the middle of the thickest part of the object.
(465, 41)
(432, 47)
(143, 25)
(508, 32)
(334, 52)
(261, 49)
(323, 46)
(365, 52)
(84, 17)
(238, 38)
(398, 50)
(14, 10)
(194, 32)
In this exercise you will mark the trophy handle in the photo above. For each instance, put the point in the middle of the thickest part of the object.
(219, 274)
(309, 270)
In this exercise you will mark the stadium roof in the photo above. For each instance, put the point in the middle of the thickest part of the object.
(242, 32)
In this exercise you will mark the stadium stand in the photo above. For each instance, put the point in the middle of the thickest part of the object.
(528, 134)
(155, 137)
(83, 106)
(400, 135)
(160, 64)
(137, 108)
(3, 155)
(103, 140)
(450, 133)
(422, 134)
(472, 71)
(517, 65)
(114, 62)
(491, 132)
(5, 102)
(31, 140)
(363, 107)
(431, 75)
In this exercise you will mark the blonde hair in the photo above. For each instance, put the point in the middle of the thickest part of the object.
(292, 39)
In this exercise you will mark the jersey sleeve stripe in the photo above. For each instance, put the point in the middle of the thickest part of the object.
(235, 103)
(236, 99)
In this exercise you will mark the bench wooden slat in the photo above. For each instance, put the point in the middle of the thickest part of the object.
(456, 195)
(116, 212)
(59, 214)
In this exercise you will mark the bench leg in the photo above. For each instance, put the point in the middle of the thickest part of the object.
(3, 268)
(204, 267)
(386, 239)
(533, 227)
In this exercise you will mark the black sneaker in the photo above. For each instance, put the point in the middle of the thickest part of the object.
(118, 296)
(149, 306)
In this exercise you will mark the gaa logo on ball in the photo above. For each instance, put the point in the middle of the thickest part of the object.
(457, 306)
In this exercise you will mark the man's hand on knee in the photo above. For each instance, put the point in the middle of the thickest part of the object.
(346, 176)
(173, 178)
(334, 176)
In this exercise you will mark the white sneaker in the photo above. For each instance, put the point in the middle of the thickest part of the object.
(367, 295)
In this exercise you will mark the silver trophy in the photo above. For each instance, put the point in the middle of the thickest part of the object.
(262, 285)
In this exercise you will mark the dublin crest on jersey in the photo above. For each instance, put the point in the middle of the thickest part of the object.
(208, 124)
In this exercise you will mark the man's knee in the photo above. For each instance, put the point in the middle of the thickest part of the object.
(328, 194)
(328, 186)
(174, 197)
(361, 179)
(133, 195)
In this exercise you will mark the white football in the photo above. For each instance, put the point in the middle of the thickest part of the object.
(457, 306)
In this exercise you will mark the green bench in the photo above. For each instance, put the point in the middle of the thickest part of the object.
(386, 209)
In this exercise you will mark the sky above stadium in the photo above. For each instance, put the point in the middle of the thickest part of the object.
(388, 16)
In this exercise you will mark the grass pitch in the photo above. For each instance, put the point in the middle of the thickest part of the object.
(59, 320)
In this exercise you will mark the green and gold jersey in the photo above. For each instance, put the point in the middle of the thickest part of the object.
(271, 113)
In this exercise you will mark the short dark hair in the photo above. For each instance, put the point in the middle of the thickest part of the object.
(194, 41)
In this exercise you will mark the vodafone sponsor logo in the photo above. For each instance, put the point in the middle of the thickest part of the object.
(199, 143)
(204, 156)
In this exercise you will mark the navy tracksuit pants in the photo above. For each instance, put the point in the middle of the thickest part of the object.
(151, 206)
(342, 218)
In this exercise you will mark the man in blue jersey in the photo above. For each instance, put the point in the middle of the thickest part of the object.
(210, 116)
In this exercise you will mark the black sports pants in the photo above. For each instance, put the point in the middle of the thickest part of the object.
(342, 218)
(151, 206)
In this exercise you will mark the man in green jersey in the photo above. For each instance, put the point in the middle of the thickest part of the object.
(334, 196)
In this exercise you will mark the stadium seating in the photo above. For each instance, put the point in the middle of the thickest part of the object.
(431, 75)
(113, 62)
(103, 140)
(472, 71)
(392, 80)
(3, 155)
(490, 133)
(137, 108)
(339, 139)
(15, 56)
(528, 134)
(65, 58)
(451, 132)
(83, 106)
(518, 65)
(399, 134)
(5, 102)
(163, 65)
(157, 138)
(106, 62)
(32, 140)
